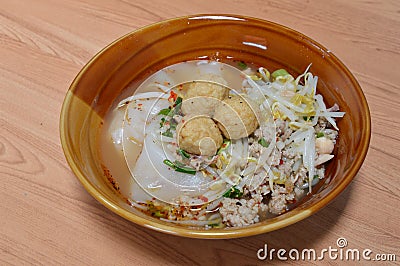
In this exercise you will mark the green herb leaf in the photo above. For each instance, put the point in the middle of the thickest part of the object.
(172, 111)
(232, 193)
(263, 143)
(166, 111)
(178, 101)
(162, 122)
(167, 133)
(177, 106)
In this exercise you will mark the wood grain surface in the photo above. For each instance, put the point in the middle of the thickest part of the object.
(46, 216)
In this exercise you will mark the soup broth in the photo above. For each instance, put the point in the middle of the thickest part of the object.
(202, 143)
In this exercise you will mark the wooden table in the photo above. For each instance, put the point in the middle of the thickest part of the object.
(46, 217)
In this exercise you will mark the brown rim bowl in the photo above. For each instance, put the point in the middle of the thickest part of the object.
(135, 56)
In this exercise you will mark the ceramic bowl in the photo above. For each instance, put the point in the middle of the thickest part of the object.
(135, 56)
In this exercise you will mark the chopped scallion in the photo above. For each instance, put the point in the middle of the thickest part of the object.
(232, 193)
(307, 118)
(263, 143)
(224, 146)
(158, 214)
(186, 170)
(242, 65)
(180, 168)
(183, 153)
(169, 163)
(279, 73)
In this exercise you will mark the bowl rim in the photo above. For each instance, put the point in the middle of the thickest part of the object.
(295, 215)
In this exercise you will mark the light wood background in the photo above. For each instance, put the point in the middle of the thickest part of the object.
(46, 217)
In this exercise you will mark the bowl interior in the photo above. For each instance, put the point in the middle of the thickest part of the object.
(132, 58)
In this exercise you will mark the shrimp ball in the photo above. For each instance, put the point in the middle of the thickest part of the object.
(199, 135)
(237, 117)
